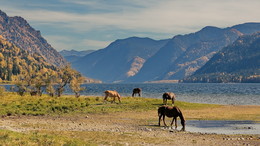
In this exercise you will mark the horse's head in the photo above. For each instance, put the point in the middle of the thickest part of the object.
(183, 125)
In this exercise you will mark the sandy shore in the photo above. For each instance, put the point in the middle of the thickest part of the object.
(132, 128)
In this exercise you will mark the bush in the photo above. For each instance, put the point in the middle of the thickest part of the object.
(2, 90)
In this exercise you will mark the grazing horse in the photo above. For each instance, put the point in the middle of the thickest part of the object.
(33, 93)
(137, 91)
(168, 95)
(114, 94)
(171, 112)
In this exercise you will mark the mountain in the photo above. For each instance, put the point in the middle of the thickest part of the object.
(120, 60)
(15, 61)
(184, 54)
(17, 31)
(239, 62)
(73, 55)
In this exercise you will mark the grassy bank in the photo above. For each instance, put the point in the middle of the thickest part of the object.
(13, 104)
(48, 120)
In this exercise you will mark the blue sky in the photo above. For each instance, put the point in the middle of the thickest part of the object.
(94, 24)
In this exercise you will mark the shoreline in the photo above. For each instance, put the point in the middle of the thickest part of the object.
(90, 121)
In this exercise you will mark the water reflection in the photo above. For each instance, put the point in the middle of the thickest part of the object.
(223, 127)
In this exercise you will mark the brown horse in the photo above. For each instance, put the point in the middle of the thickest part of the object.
(168, 95)
(137, 91)
(171, 112)
(114, 94)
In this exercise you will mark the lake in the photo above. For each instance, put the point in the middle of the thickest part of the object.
(212, 93)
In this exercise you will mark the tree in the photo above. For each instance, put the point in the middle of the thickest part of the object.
(75, 85)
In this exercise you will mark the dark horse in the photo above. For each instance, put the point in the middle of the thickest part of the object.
(168, 95)
(137, 91)
(171, 112)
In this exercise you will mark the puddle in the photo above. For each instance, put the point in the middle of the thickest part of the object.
(223, 127)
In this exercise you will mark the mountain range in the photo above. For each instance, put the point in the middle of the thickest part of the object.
(122, 59)
(73, 55)
(238, 62)
(143, 59)
(18, 31)
(138, 59)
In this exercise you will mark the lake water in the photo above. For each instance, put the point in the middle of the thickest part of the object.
(212, 93)
(237, 94)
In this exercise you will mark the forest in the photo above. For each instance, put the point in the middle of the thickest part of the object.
(31, 73)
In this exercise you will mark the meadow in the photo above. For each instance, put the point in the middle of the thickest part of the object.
(66, 120)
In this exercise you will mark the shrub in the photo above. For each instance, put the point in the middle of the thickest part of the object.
(2, 90)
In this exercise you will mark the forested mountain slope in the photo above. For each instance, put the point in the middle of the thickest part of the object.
(239, 62)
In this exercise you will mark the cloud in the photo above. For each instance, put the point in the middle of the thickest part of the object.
(151, 17)
(166, 16)
(71, 42)
(96, 43)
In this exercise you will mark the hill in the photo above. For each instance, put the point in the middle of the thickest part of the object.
(184, 54)
(120, 60)
(17, 31)
(15, 61)
(73, 55)
(239, 62)
(145, 60)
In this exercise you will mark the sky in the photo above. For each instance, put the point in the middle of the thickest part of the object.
(94, 24)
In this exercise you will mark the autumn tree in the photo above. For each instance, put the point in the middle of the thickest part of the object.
(67, 75)
(75, 83)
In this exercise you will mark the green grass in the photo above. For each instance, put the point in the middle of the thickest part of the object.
(36, 138)
(13, 104)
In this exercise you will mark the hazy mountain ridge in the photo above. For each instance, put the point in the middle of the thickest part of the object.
(116, 62)
(74, 55)
(19, 32)
(179, 57)
(238, 62)
(184, 54)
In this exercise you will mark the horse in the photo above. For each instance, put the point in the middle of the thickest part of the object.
(171, 112)
(137, 91)
(168, 95)
(114, 94)
(33, 93)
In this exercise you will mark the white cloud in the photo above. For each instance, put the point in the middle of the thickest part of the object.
(152, 16)
(167, 16)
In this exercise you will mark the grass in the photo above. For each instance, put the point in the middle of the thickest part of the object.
(13, 104)
(36, 138)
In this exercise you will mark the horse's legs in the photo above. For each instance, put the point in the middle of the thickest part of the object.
(164, 120)
(172, 121)
(160, 116)
(164, 101)
(114, 99)
(119, 99)
(105, 99)
(139, 94)
(175, 122)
